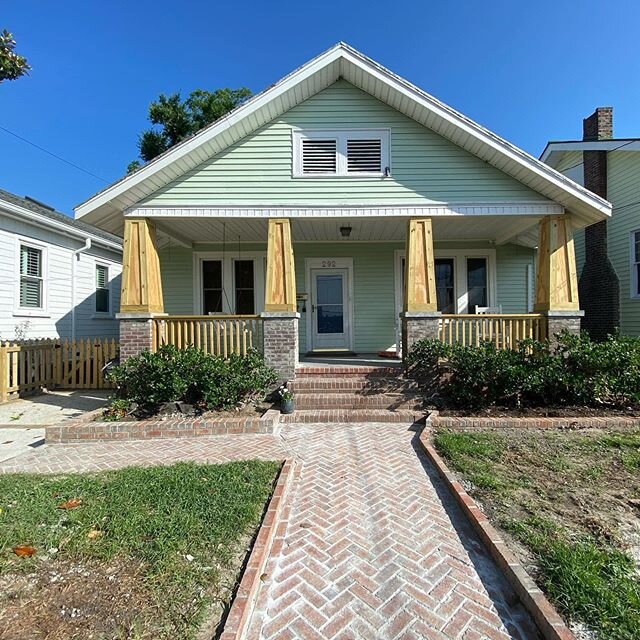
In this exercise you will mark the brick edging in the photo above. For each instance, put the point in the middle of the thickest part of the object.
(544, 614)
(270, 534)
(86, 429)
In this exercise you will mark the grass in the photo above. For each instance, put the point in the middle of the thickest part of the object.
(184, 524)
(565, 497)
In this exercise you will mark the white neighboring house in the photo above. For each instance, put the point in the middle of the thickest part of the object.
(59, 277)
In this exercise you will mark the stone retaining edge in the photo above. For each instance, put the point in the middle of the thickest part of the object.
(86, 429)
(269, 540)
(544, 614)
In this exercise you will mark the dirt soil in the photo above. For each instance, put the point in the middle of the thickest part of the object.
(543, 412)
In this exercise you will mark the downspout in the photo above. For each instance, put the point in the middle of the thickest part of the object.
(74, 258)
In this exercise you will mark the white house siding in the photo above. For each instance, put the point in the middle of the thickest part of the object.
(56, 320)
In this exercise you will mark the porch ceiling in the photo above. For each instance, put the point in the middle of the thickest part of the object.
(499, 229)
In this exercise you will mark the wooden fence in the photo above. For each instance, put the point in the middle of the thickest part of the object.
(218, 335)
(29, 366)
(504, 330)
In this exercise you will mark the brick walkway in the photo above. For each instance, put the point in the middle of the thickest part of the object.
(375, 548)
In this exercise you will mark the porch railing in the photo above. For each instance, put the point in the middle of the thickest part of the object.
(504, 330)
(217, 335)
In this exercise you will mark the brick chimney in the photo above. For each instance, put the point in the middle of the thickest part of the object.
(599, 287)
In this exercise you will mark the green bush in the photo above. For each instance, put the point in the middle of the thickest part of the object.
(192, 376)
(576, 371)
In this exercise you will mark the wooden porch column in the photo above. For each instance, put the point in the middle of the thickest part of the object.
(557, 280)
(141, 283)
(420, 279)
(280, 316)
(420, 317)
(280, 292)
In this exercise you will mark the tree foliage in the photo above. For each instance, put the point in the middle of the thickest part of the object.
(12, 65)
(176, 119)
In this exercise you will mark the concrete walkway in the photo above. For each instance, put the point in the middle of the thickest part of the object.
(375, 547)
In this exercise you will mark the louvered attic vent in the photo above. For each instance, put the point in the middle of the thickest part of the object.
(319, 156)
(364, 156)
(356, 152)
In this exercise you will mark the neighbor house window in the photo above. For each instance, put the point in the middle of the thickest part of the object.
(476, 283)
(244, 285)
(362, 152)
(211, 286)
(102, 289)
(31, 277)
(635, 264)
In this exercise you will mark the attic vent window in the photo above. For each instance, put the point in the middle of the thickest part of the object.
(349, 153)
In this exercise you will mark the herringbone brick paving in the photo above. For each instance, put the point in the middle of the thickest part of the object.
(374, 546)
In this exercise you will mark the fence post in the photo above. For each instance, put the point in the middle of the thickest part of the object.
(4, 374)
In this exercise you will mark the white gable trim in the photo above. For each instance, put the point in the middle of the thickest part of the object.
(343, 61)
(266, 211)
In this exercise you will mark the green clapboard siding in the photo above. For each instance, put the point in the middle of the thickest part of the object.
(623, 192)
(375, 314)
(425, 166)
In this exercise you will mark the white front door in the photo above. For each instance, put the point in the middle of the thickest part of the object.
(330, 319)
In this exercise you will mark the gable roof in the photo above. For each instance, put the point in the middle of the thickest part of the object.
(342, 61)
(38, 213)
(555, 149)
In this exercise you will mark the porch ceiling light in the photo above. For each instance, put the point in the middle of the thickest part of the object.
(345, 231)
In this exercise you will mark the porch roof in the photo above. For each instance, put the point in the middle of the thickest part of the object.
(342, 61)
(494, 229)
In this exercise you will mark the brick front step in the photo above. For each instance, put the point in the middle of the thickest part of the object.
(351, 415)
(331, 384)
(322, 400)
(347, 372)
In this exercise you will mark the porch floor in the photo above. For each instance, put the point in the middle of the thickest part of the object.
(359, 360)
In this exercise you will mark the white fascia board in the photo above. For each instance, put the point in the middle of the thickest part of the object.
(31, 217)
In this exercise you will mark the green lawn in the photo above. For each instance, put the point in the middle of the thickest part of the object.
(175, 534)
(572, 499)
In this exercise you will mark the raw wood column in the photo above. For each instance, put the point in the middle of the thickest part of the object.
(420, 278)
(420, 317)
(556, 278)
(141, 283)
(280, 293)
(280, 315)
(141, 294)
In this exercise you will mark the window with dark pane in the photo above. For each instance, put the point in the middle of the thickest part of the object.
(211, 286)
(244, 287)
(636, 261)
(477, 283)
(30, 277)
(102, 288)
(445, 290)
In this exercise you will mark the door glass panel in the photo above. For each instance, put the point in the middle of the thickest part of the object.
(444, 285)
(330, 312)
(477, 283)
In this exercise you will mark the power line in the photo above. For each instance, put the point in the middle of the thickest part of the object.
(57, 157)
(608, 150)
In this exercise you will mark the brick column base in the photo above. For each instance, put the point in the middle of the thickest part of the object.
(136, 334)
(558, 321)
(281, 342)
(416, 326)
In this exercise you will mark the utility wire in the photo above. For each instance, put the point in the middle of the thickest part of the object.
(57, 157)
(608, 150)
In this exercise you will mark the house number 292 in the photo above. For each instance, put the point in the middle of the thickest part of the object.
(328, 263)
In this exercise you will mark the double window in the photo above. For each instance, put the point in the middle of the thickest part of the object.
(229, 286)
(362, 152)
(31, 277)
(635, 264)
(103, 292)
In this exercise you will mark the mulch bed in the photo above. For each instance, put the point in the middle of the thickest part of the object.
(542, 412)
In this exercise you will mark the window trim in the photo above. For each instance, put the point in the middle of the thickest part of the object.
(102, 314)
(228, 279)
(41, 311)
(341, 136)
(633, 262)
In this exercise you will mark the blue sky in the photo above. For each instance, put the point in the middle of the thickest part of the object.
(530, 71)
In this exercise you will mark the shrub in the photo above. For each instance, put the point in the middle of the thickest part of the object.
(576, 371)
(192, 376)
